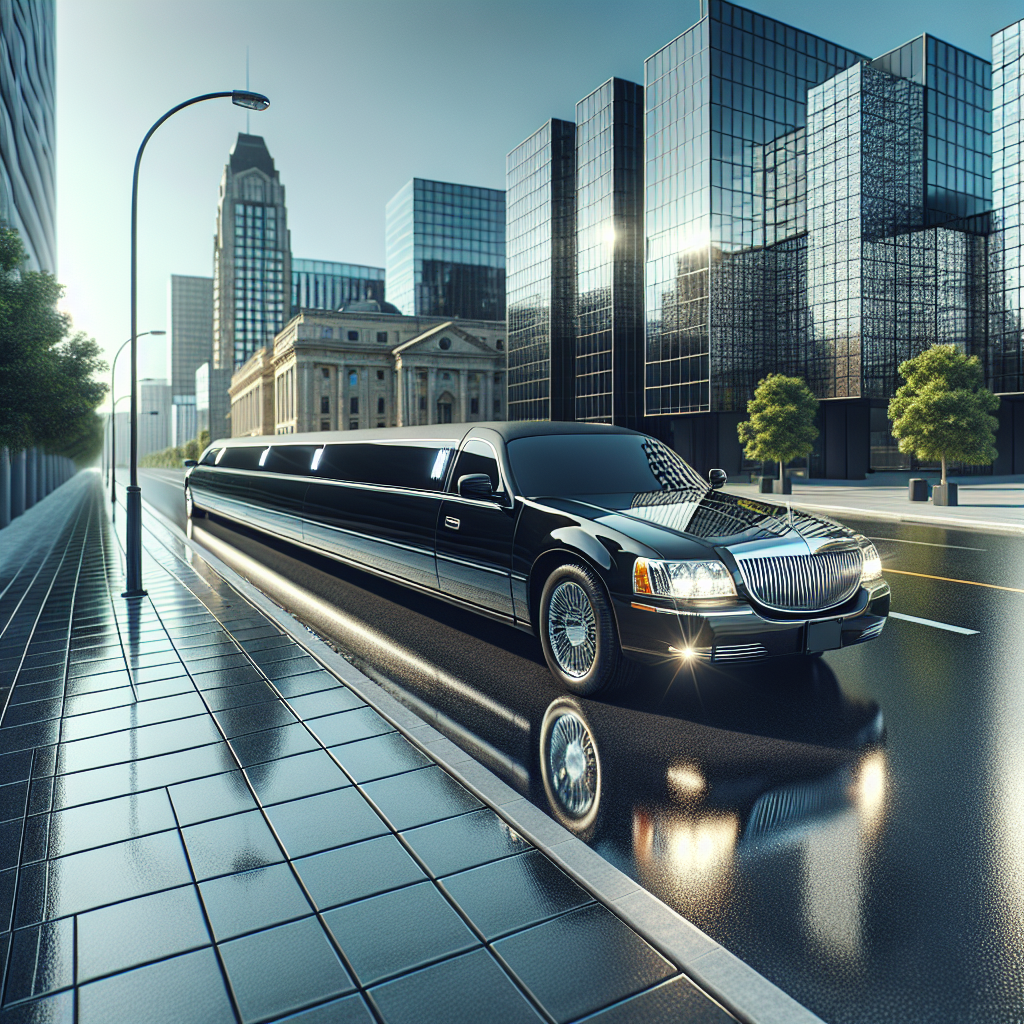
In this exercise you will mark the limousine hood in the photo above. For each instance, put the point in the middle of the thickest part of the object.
(713, 517)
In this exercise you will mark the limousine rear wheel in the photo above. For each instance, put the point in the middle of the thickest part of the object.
(577, 633)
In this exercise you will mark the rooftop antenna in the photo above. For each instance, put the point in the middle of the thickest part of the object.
(247, 113)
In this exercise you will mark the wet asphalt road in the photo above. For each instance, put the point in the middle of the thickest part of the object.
(852, 827)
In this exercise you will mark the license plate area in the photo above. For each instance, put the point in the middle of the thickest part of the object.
(824, 636)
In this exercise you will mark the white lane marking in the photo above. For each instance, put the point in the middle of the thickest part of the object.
(927, 544)
(932, 622)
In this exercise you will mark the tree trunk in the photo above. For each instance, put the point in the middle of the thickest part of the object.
(943, 470)
(782, 475)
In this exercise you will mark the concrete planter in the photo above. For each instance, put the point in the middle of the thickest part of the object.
(782, 486)
(944, 495)
(765, 485)
(917, 489)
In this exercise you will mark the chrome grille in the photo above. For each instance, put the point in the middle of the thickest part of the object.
(740, 652)
(803, 583)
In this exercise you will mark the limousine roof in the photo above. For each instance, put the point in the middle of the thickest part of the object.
(454, 432)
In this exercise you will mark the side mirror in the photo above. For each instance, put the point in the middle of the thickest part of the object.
(476, 485)
(189, 463)
(717, 478)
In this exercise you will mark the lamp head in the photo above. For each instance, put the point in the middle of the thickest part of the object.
(157, 332)
(249, 100)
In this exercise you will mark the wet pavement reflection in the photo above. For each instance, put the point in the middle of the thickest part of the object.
(850, 826)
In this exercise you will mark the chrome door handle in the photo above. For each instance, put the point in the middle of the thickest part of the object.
(451, 522)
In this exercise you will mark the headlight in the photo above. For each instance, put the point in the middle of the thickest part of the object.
(685, 580)
(872, 569)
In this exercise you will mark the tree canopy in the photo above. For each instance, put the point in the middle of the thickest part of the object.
(781, 425)
(944, 411)
(48, 390)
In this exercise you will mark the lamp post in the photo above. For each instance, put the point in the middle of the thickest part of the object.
(133, 538)
(113, 429)
(113, 432)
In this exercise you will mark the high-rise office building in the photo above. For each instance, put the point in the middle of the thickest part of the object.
(154, 416)
(445, 250)
(251, 255)
(27, 127)
(190, 328)
(541, 217)
(609, 254)
(319, 284)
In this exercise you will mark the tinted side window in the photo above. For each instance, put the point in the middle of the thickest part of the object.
(420, 465)
(241, 458)
(210, 457)
(290, 458)
(477, 457)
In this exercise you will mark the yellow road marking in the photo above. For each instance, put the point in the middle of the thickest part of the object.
(946, 579)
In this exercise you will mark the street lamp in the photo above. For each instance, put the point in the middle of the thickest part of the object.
(113, 432)
(133, 539)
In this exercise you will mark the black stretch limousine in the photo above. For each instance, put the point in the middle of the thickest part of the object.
(601, 540)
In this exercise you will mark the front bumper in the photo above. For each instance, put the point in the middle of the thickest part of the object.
(657, 631)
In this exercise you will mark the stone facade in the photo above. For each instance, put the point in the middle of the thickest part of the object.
(350, 371)
(252, 396)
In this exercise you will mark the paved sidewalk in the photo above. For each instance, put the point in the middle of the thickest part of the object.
(983, 505)
(198, 822)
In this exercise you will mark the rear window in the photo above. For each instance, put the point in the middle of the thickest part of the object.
(295, 459)
(241, 458)
(570, 464)
(417, 464)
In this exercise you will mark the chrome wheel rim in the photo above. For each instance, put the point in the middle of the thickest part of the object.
(572, 629)
(188, 502)
(573, 765)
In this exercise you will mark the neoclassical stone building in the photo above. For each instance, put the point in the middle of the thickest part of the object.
(361, 367)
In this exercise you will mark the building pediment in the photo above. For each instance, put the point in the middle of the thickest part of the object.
(446, 339)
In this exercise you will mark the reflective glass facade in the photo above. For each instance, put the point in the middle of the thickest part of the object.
(609, 254)
(318, 284)
(27, 127)
(541, 233)
(190, 329)
(1006, 284)
(445, 250)
(252, 255)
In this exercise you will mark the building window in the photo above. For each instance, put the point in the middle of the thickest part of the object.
(353, 335)
(497, 405)
(474, 405)
(353, 379)
(380, 406)
(445, 344)
(325, 404)
(328, 333)
(325, 424)
(382, 337)
(353, 424)
(353, 405)
(499, 344)
(380, 375)
(380, 423)
(423, 402)
(325, 373)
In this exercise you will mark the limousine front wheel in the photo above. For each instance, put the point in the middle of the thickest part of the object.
(577, 633)
(192, 511)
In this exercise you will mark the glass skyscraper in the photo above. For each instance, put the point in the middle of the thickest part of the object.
(445, 250)
(190, 329)
(251, 255)
(27, 127)
(319, 284)
(541, 175)
(609, 254)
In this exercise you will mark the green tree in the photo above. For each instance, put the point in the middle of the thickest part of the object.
(781, 425)
(48, 394)
(944, 411)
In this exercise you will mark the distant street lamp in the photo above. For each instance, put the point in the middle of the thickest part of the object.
(133, 540)
(113, 432)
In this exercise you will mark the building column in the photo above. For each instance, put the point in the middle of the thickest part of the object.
(487, 413)
(431, 395)
(5, 487)
(31, 467)
(463, 418)
(414, 396)
(18, 484)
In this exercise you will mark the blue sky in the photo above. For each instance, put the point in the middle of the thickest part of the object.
(364, 96)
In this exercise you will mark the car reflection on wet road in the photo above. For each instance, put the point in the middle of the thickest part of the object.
(851, 826)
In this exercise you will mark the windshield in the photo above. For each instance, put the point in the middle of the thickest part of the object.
(560, 465)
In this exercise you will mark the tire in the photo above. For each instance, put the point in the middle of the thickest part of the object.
(192, 511)
(578, 635)
(570, 767)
